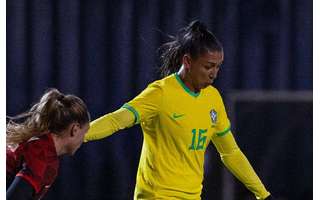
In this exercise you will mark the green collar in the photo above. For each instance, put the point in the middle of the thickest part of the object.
(194, 94)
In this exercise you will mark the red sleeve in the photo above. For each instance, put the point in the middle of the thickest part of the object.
(13, 160)
(40, 165)
(34, 165)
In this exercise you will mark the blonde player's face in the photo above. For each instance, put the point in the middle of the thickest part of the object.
(76, 137)
(205, 68)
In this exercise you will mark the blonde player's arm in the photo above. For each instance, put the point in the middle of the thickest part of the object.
(238, 164)
(110, 123)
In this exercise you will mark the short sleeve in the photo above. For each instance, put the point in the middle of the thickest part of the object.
(38, 168)
(147, 104)
(223, 123)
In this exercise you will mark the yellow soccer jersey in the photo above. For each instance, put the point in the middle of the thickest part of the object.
(177, 125)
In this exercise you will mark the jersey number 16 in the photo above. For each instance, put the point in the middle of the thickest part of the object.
(198, 139)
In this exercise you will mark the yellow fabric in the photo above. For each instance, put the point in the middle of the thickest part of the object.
(237, 163)
(109, 123)
(177, 127)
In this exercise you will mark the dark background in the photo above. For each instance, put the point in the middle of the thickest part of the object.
(106, 53)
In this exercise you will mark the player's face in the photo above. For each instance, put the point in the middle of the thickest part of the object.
(205, 68)
(77, 137)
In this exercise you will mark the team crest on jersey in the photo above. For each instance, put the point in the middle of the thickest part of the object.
(213, 116)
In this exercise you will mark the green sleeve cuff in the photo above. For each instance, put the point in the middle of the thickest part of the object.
(134, 111)
(222, 133)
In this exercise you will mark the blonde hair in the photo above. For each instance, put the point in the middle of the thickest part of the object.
(53, 113)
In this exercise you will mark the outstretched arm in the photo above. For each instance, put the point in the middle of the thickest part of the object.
(144, 106)
(110, 123)
(238, 164)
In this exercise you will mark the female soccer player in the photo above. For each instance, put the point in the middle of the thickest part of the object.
(179, 115)
(53, 127)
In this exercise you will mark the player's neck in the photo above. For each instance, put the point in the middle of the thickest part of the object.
(59, 145)
(187, 80)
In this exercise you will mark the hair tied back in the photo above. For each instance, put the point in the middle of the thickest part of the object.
(197, 26)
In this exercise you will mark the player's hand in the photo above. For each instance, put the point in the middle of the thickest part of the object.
(270, 198)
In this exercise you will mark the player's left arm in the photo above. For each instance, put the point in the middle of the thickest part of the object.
(20, 190)
(232, 156)
(238, 164)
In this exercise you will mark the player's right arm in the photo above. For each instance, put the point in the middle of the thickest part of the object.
(109, 124)
(144, 106)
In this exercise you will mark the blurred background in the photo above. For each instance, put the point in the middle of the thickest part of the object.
(106, 53)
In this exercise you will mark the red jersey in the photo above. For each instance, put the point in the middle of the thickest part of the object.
(35, 161)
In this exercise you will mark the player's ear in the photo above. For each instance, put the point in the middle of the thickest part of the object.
(186, 61)
(74, 128)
